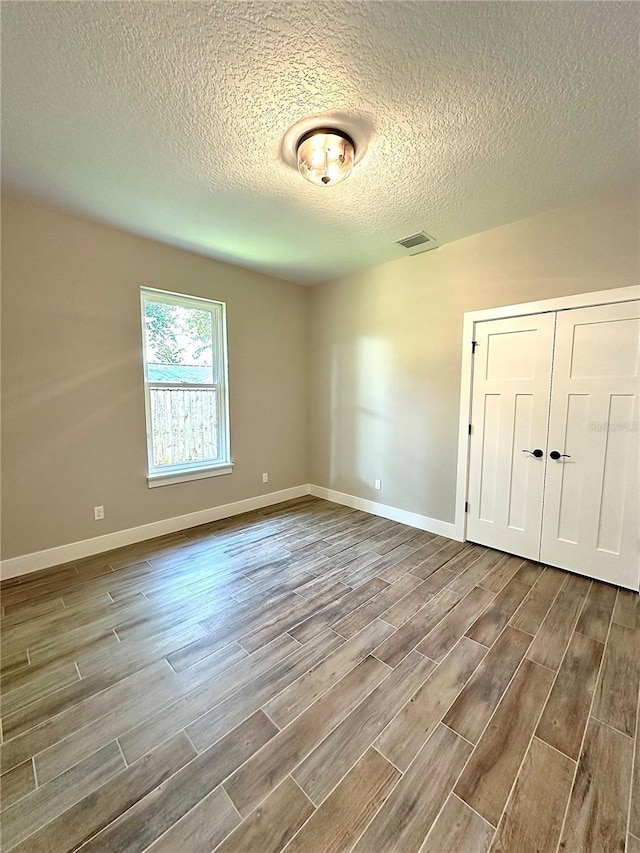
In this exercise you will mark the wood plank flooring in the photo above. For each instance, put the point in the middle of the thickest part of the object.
(312, 678)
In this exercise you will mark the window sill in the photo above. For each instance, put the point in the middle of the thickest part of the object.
(186, 476)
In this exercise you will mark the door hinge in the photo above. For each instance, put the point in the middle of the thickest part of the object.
(469, 429)
(474, 344)
(466, 506)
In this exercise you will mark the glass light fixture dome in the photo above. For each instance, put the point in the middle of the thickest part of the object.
(325, 156)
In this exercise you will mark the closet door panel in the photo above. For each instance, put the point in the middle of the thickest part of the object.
(590, 520)
(511, 387)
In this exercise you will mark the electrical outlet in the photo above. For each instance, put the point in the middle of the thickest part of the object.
(98, 513)
(378, 484)
(265, 478)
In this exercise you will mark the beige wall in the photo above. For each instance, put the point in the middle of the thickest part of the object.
(386, 344)
(372, 379)
(73, 428)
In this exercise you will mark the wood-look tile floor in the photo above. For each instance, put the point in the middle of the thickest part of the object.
(313, 678)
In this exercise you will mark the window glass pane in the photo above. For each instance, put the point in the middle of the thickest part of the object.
(178, 343)
(184, 424)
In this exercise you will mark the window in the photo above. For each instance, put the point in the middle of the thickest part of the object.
(185, 373)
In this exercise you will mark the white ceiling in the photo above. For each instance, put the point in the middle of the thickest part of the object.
(168, 119)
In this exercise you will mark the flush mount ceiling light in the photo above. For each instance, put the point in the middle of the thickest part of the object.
(325, 156)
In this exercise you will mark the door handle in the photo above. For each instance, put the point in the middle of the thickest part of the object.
(555, 454)
(537, 452)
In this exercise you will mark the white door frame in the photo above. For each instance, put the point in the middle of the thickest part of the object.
(561, 303)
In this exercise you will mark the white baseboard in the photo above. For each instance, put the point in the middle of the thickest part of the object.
(28, 563)
(413, 519)
(88, 547)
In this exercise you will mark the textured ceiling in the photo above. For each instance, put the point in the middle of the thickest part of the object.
(169, 119)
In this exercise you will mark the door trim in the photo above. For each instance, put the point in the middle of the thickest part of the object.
(470, 318)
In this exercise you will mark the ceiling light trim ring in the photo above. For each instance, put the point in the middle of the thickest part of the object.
(333, 131)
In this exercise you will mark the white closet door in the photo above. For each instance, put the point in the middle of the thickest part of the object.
(591, 496)
(510, 410)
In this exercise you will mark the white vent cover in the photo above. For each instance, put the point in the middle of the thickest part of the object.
(420, 242)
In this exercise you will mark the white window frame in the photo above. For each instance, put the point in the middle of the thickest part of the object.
(182, 473)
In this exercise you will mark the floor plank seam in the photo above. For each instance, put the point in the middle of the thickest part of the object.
(315, 745)
(96, 721)
(453, 786)
(609, 726)
(247, 717)
(269, 717)
(289, 776)
(304, 823)
(477, 642)
(553, 601)
(415, 757)
(431, 675)
(426, 657)
(339, 782)
(586, 727)
(242, 819)
(522, 631)
(550, 745)
(384, 663)
(588, 636)
(386, 758)
(453, 794)
(47, 696)
(126, 763)
(442, 723)
(543, 665)
(199, 751)
(633, 761)
(301, 644)
(493, 713)
(369, 746)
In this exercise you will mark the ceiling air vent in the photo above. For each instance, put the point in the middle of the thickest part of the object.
(421, 240)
